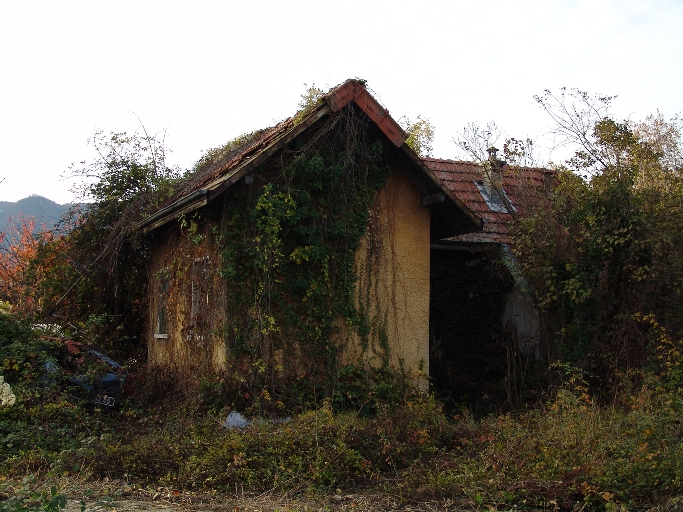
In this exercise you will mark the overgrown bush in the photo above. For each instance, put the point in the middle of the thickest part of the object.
(317, 448)
(44, 421)
(603, 250)
(29, 499)
(570, 450)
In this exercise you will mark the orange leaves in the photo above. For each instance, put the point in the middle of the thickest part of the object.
(26, 258)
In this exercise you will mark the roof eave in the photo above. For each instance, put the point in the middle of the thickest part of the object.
(452, 216)
(184, 205)
(222, 183)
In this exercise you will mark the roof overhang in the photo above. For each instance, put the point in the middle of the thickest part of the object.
(217, 186)
(457, 245)
(450, 217)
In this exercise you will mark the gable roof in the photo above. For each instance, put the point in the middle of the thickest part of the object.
(521, 186)
(450, 216)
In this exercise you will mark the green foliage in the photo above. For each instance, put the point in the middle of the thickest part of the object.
(309, 101)
(128, 167)
(369, 390)
(420, 135)
(288, 250)
(569, 451)
(98, 267)
(28, 499)
(45, 425)
(602, 252)
(22, 354)
(310, 98)
(221, 153)
(316, 449)
(350, 389)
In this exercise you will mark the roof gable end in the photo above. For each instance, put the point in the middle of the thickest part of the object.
(451, 215)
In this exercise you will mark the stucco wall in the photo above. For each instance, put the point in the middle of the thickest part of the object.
(186, 347)
(393, 287)
(393, 267)
(521, 314)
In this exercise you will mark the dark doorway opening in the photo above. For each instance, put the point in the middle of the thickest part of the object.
(468, 344)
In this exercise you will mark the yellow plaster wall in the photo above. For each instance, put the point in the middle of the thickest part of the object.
(163, 351)
(393, 287)
(182, 350)
(392, 266)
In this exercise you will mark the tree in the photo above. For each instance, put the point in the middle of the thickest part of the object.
(23, 264)
(420, 135)
(604, 250)
(476, 143)
(99, 281)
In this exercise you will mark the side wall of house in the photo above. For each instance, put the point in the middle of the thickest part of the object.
(185, 285)
(393, 268)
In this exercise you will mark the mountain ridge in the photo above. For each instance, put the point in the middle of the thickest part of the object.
(46, 212)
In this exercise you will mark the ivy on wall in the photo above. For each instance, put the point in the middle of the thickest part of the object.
(287, 247)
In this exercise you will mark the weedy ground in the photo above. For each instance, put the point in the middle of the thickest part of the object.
(567, 453)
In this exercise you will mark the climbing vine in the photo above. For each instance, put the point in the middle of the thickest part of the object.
(283, 271)
(288, 246)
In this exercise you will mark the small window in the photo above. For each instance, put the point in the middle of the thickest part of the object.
(496, 198)
(201, 280)
(162, 312)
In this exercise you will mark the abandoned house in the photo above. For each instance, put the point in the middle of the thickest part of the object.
(315, 244)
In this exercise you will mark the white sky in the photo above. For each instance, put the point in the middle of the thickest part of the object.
(207, 71)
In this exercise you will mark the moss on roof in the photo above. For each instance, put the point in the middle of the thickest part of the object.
(221, 153)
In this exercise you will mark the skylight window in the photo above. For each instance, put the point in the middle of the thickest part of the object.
(496, 198)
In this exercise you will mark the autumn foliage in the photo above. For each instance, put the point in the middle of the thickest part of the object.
(28, 258)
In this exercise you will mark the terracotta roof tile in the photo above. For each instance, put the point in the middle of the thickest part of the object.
(521, 185)
(211, 181)
(337, 97)
(212, 171)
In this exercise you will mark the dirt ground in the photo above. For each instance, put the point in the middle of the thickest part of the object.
(254, 504)
(118, 496)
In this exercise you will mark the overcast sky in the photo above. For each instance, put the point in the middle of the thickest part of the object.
(206, 71)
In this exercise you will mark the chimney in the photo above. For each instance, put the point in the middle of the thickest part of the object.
(493, 172)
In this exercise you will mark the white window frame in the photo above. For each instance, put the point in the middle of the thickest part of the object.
(161, 331)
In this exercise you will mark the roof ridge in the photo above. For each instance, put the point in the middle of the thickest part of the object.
(206, 186)
(507, 166)
(450, 161)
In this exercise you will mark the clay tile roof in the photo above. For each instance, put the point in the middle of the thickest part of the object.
(335, 99)
(521, 186)
(207, 182)
(244, 151)
(212, 179)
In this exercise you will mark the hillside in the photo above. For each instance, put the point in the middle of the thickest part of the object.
(46, 212)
